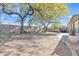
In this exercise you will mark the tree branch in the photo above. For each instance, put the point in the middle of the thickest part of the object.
(30, 9)
(10, 13)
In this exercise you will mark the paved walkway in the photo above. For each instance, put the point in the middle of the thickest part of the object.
(72, 42)
(67, 46)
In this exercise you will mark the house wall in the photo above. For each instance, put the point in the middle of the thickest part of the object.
(75, 26)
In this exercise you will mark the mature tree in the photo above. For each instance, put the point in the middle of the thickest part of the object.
(46, 12)
(22, 10)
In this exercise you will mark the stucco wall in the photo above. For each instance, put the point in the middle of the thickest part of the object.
(75, 26)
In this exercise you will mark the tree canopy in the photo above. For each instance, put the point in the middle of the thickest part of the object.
(50, 10)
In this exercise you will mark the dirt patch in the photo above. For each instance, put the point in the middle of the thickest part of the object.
(39, 45)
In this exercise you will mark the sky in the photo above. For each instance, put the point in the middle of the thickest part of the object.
(73, 9)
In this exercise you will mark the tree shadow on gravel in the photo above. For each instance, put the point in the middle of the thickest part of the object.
(7, 37)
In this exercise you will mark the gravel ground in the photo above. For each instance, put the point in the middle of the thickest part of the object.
(33, 45)
(27, 45)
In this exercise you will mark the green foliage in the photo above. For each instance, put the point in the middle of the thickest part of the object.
(69, 26)
(10, 7)
(23, 8)
(50, 10)
(56, 25)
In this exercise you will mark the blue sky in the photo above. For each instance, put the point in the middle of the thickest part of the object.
(73, 9)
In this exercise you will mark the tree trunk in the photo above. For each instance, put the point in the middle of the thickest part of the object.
(21, 28)
(45, 28)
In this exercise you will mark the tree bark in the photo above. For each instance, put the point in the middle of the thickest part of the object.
(21, 28)
(45, 28)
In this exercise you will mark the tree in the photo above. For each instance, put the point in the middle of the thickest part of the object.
(46, 12)
(11, 9)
